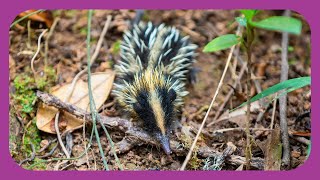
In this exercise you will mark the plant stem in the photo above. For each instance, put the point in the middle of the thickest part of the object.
(92, 104)
(248, 45)
(283, 100)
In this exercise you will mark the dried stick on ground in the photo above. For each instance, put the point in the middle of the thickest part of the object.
(283, 99)
(300, 139)
(135, 135)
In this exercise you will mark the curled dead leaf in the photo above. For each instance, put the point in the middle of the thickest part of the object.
(45, 17)
(101, 87)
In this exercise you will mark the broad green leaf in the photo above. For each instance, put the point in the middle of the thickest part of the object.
(249, 13)
(280, 23)
(222, 42)
(288, 85)
(242, 21)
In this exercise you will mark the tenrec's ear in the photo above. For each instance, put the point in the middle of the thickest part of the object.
(172, 95)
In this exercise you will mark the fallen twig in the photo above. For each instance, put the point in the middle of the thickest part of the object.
(240, 129)
(302, 140)
(135, 135)
(49, 153)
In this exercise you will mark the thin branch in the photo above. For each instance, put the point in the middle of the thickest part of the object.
(49, 153)
(240, 129)
(283, 99)
(211, 104)
(117, 123)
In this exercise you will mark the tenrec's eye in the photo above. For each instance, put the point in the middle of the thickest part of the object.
(172, 95)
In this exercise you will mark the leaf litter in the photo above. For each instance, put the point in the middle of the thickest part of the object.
(101, 85)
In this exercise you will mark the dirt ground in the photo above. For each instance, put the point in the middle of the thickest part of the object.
(67, 56)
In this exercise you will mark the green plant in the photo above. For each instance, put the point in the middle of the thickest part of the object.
(24, 98)
(47, 80)
(24, 95)
(274, 23)
(25, 84)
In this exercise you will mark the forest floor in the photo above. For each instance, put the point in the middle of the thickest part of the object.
(66, 56)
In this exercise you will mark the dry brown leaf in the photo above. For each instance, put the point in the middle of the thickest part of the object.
(101, 86)
(45, 17)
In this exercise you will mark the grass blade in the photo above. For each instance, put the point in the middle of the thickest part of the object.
(289, 85)
(26, 16)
